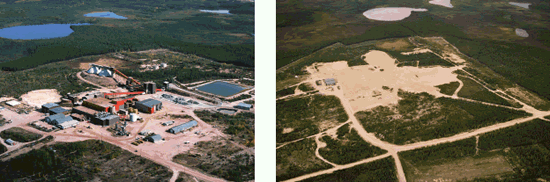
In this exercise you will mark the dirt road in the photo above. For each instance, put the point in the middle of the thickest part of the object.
(88, 82)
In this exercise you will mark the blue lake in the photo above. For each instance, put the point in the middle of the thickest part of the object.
(30, 32)
(221, 88)
(105, 15)
(216, 11)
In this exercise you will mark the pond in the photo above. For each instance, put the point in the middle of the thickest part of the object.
(216, 11)
(221, 88)
(105, 15)
(390, 13)
(30, 32)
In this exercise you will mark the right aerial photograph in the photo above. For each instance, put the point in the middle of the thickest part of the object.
(413, 90)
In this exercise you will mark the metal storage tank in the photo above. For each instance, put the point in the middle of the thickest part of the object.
(133, 117)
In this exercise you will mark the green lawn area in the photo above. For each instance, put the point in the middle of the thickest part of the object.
(317, 113)
(19, 135)
(347, 147)
(298, 159)
(380, 170)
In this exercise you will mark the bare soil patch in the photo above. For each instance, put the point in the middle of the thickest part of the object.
(103, 81)
(37, 98)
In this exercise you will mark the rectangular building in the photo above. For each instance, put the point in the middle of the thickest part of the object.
(183, 127)
(59, 110)
(243, 106)
(47, 107)
(155, 138)
(98, 104)
(149, 106)
(330, 81)
(52, 118)
(105, 119)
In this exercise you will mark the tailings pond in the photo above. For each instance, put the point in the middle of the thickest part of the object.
(30, 32)
(390, 13)
(105, 15)
(221, 88)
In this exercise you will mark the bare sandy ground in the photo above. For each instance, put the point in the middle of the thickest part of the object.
(417, 51)
(368, 86)
(390, 13)
(446, 3)
(37, 98)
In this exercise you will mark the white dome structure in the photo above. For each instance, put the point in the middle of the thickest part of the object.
(106, 73)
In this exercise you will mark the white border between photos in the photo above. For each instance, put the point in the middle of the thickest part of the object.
(265, 58)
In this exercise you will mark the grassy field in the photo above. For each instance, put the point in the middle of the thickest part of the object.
(421, 117)
(527, 133)
(317, 113)
(239, 126)
(159, 24)
(347, 147)
(19, 135)
(3, 148)
(286, 91)
(424, 59)
(526, 147)
(448, 88)
(297, 159)
(380, 170)
(306, 87)
(219, 158)
(456, 161)
(475, 91)
(82, 161)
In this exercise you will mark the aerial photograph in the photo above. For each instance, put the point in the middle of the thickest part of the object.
(413, 90)
(101, 90)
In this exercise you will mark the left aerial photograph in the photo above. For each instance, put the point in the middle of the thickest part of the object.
(156, 90)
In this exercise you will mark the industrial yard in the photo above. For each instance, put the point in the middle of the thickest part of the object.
(154, 119)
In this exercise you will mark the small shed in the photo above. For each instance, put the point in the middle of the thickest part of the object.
(244, 106)
(168, 123)
(13, 103)
(9, 141)
(47, 107)
(59, 110)
(155, 138)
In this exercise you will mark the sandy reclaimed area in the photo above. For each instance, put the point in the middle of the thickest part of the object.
(390, 13)
(417, 51)
(446, 3)
(368, 86)
(37, 98)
